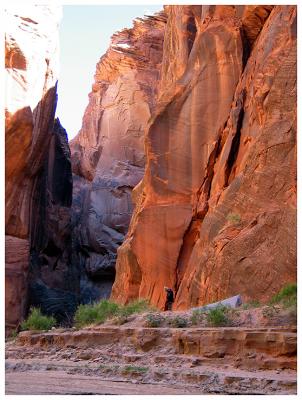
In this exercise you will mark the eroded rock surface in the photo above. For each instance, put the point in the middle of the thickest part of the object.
(108, 154)
(216, 211)
(155, 361)
(38, 170)
(54, 280)
(31, 73)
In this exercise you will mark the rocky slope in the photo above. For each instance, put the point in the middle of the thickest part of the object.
(140, 360)
(108, 153)
(35, 151)
(216, 211)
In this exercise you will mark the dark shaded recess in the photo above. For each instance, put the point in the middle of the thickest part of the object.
(86, 250)
(59, 303)
(51, 249)
(235, 142)
(54, 281)
(191, 30)
(293, 28)
(92, 291)
(246, 48)
(62, 184)
(106, 272)
(95, 156)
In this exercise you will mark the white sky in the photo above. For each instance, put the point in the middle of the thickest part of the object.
(85, 32)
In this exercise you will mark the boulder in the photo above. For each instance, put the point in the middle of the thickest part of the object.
(231, 302)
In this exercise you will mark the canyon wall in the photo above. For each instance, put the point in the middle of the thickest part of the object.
(108, 156)
(53, 279)
(192, 117)
(31, 141)
(215, 213)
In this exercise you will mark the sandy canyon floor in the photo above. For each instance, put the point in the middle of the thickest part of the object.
(135, 359)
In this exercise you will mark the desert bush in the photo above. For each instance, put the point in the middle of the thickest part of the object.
(251, 304)
(218, 316)
(234, 218)
(133, 369)
(105, 309)
(37, 321)
(197, 316)
(154, 320)
(108, 368)
(135, 307)
(178, 322)
(95, 313)
(287, 296)
(269, 311)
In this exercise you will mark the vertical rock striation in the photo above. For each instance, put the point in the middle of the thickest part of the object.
(216, 210)
(54, 280)
(35, 150)
(108, 153)
(31, 73)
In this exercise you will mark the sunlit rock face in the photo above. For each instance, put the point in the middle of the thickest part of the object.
(108, 156)
(215, 213)
(31, 60)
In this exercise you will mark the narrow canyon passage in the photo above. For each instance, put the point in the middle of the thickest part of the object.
(155, 252)
(183, 173)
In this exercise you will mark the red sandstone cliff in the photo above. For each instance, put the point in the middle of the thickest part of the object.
(33, 212)
(216, 211)
(108, 153)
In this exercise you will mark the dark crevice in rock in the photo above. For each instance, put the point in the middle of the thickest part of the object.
(51, 270)
(235, 144)
(254, 20)
(191, 29)
(51, 249)
(190, 237)
(246, 48)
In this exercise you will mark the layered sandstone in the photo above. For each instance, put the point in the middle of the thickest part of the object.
(193, 360)
(108, 153)
(31, 73)
(38, 169)
(216, 211)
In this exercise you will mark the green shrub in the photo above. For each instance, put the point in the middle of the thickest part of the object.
(135, 307)
(14, 334)
(178, 322)
(287, 296)
(95, 313)
(197, 316)
(217, 316)
(108, 368)
(234, 218)
(269, 311)
(154, 320)
(105, 309)
(37, 321)
(133, 369)
(251, 304)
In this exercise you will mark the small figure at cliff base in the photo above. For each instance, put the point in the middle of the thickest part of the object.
(169, 299)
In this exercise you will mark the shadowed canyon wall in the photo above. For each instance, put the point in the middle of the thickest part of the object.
(192, 119)
(108, 156)
(216, 211)
(34, 220)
